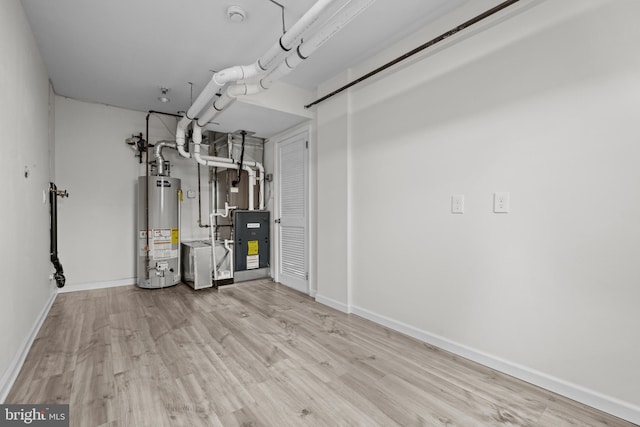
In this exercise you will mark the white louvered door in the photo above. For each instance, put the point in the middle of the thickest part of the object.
(292, 212)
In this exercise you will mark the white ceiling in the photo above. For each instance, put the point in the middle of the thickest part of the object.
(119, 52)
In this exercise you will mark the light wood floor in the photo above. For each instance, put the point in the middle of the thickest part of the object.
(260, 354)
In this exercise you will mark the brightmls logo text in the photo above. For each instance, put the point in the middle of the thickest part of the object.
(27, 416)
(34, 415)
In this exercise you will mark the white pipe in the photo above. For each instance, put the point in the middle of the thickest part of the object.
(227, 209)
(221, 103)
(263, 64)
(225, 163)
(180, 141)
(252, 183)
(230, 250)
(339, 20)
(197, 140)
(298, 29)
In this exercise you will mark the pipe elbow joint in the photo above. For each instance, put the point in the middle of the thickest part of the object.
(200, 159)
(229, 75)
(180, 141)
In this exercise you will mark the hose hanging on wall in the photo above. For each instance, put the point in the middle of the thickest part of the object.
(54, 193)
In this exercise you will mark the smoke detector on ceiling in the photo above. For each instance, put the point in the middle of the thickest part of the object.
(236, 14)
(163, 97)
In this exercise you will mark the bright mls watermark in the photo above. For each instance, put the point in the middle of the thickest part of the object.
(34, 415)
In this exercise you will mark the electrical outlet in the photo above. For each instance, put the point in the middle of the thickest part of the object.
(501, 202)
(457, 203)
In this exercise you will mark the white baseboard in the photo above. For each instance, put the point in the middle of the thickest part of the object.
(613, 406)
(313, 292)
(10, 375)
(332, 303)
(97, 285)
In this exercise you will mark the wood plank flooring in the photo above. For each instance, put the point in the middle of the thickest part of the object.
(260, 354)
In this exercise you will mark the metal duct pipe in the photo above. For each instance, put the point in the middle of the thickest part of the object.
(160, 145)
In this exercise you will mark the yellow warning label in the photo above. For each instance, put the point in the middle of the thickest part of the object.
(253, 247)
(174, 236)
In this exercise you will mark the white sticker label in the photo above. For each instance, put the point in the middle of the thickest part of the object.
(161, 253)
(253, 225)
(162, 235)
(253, 262)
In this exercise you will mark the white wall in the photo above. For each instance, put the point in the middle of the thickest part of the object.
(25, 289)
(97, 223)
(331, 154)
(544, 106)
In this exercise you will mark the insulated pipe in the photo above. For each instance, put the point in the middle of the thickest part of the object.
(263, 64)
(157, 152)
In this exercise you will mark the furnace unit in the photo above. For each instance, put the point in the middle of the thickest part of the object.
(252, 245)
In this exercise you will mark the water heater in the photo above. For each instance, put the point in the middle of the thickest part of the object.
(159, 241)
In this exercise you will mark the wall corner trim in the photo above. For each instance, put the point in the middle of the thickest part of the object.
(340, 306)
(97, 285)
(11, 374)
(608, 404)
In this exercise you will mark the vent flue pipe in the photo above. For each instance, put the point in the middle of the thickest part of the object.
(160, 145)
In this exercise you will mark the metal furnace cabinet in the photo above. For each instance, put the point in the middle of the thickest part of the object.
(251, 244)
